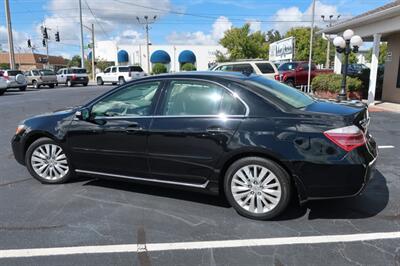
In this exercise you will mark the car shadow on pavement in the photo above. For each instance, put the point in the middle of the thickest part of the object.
(161, 191)
(370, 203)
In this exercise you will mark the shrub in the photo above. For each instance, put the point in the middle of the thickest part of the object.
(188, 67)
(159, 68)
(333, 83)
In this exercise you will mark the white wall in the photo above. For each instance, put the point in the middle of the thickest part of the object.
(205, 54)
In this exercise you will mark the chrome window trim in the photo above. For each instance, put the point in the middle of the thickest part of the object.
(204, 185)
(168, 116)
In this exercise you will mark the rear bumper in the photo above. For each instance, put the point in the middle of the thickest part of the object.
(80, 81)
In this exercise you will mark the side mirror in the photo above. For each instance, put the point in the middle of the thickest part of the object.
(300, 68)
(82, 114)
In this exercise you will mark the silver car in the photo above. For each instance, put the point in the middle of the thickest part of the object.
(42, 77)
(14, 79)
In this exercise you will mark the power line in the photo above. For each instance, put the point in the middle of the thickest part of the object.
(94, 16)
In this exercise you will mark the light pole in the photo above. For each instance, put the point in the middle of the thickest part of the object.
(146, 23)
(330, 21)
(347, 44)
(10, 35)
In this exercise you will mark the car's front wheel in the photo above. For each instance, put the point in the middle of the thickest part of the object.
(257, 188)
(100, 81)
(47, 162)
(23, 88)
(69, 83)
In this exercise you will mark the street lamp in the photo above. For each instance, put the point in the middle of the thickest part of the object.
(346, 44)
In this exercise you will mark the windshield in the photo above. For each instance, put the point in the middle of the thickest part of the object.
(287, 66)
(76, 71)
(289, 95)
(47, 73)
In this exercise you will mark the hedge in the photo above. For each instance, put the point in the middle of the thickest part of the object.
(188, 67)
(333, 83)
(159, 68)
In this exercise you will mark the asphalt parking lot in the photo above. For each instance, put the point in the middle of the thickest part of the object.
(99, 222)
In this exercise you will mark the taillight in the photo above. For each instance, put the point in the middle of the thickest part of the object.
(6, 77)
(130, 73)
(73, 76)
(347, 138)
(277, 77)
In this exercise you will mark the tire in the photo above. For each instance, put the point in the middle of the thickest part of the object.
(23, 88)
(2, 92)
(114, 83)
(51, 86)
(85, 84)
(252, 190)
(55, 171)
(290, 83)
(121, 80)
(69, 83)
(100, 82)
(35, 84)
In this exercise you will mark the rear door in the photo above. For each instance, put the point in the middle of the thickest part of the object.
(62, 76)
(194, 124)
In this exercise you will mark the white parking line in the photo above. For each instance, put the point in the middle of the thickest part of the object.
(37, 252)
(386, 147)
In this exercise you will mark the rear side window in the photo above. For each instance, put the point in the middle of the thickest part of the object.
(131, 69)
(243, 68)
(225, 68)
(113, 70)
(199, 98)
(265, 68)
(47, 72)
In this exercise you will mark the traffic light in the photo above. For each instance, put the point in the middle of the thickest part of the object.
(29, 43)
(44, 33)
(57, 36)
(44, 42)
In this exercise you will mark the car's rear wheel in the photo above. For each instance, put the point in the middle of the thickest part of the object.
(2, 92)
(35, 84)
(121, 80)
(51, 86)
(290, 83)
(85, 84)
(100, 81)
(47, 162)
(23, 88)
(69, 83)
(257, 188)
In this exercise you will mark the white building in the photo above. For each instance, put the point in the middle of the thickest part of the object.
(173, 56)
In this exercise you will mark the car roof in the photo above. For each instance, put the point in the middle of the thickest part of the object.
(203, 75)
(244, 62)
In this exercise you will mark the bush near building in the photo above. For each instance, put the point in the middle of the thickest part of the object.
(329, 85)
(188, 67)
(159, 68)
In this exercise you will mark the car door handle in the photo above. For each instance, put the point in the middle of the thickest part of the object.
(217, 130)
(133, 128)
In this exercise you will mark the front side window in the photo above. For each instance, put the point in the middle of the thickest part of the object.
(135, 100)
(113, 70)
(107, 70)
(198, 98)
(287, 66)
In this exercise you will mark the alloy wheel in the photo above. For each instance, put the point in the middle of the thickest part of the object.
(50, 162)
(256, 189)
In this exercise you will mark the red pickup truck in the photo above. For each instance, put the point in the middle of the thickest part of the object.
(296, 73)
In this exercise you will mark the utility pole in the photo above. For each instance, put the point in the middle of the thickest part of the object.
(311, 46)
(146, 22)
(328, 37)
(10, 35)
(82, 47)
(93, 55)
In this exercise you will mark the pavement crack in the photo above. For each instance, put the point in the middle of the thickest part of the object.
(14, 182)
(143, 255)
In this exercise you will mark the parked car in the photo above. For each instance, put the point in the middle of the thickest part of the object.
(355, 69)
(296, 73)
(42, 77)
(259, 67)
(254, 139)
(14, 79)
(119, 74)
(72, 76)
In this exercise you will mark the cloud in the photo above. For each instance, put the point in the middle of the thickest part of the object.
(294, 14)
(219, 27)
(254, 25)
(19, 39)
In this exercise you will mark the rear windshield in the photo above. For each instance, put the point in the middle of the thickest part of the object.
(13, 72)
(131, 69)
(265, 68)
(287, 94)
(46, 73)
(287, 66)
(76, 71)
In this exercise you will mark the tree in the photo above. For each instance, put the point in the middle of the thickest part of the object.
(302, 50)
(242, 44)
(273, 36)
(188, 67)
(100, 64)
(75, 61)
(382, 53)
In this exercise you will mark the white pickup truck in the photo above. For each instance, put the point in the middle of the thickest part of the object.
(119, 74)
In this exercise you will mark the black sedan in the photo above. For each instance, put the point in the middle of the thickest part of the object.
(255, 140)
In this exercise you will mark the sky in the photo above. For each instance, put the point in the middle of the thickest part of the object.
(177, 21)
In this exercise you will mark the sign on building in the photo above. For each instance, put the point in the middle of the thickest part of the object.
(282, 50)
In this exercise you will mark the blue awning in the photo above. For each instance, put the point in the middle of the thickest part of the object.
(160, 56)
(187, 56)
(123, 56)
